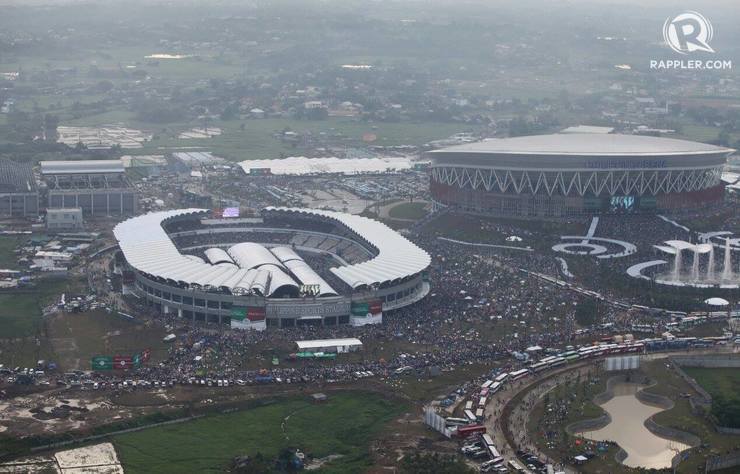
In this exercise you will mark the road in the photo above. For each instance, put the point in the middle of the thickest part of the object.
(502, 408)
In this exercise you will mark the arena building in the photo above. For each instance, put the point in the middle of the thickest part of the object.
(99, 187)
(578, 174)
(19, 195)
(286, 267)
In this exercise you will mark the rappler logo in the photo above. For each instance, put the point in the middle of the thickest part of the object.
(688, 32)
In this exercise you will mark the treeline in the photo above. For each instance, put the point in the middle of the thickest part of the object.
(726, 411)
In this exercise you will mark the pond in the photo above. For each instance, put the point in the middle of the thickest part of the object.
(627, 429)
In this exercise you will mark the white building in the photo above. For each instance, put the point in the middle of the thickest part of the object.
(64, 219)
(340, 346)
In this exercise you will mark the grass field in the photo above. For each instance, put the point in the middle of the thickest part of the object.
(719, 382)
(258, 140)
(8, 258)
(408, 210)
(77, 337)
(344, 425)
(22, 337)
(20, 312)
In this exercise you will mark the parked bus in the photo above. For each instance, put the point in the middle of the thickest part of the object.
(452, 421)
(515, 466)
(516, 375)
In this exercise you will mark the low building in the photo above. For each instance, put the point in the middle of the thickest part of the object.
(64, 219)
(145, 165)
(340, 346)
(319, 397)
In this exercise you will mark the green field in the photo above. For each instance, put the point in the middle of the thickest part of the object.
(408, 210)
(8, 258)
(342, 426)
(719, 382)
(20, 311)
(77, 337)
(260, 137)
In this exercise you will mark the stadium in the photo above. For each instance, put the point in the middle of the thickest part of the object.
(578, 174)
(285, 268)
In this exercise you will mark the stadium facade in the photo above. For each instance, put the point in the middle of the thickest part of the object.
(285, 268)
(578, 174)
(18, 192)
(99, 187)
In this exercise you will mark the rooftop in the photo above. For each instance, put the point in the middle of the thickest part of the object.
(317, 343)
(149, 249)
(81, 167)
(588, 144)
(16, 177)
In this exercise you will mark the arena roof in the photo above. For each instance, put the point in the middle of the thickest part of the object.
(149, 249)
(587, 129)
(588, 144)
(81, 167)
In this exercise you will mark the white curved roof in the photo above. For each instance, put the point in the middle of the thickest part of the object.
(251, 255)
(149, 249)
(397, 256)
(285, 254)
(278, 279)
(301, 270)
(216, 255)
(716, 301)
(587, 144)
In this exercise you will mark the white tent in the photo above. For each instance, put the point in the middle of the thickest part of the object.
(716, 302)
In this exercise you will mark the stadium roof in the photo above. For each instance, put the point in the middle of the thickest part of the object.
(81, 167)
(300, 165)
(397, 257)
(16, 177)
(149, 249)
(588, 144)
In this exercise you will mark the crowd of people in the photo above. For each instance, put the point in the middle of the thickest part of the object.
(485, 304)
(482, 307)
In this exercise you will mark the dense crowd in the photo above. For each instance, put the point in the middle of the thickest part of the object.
(482, 307)
(485, 305)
